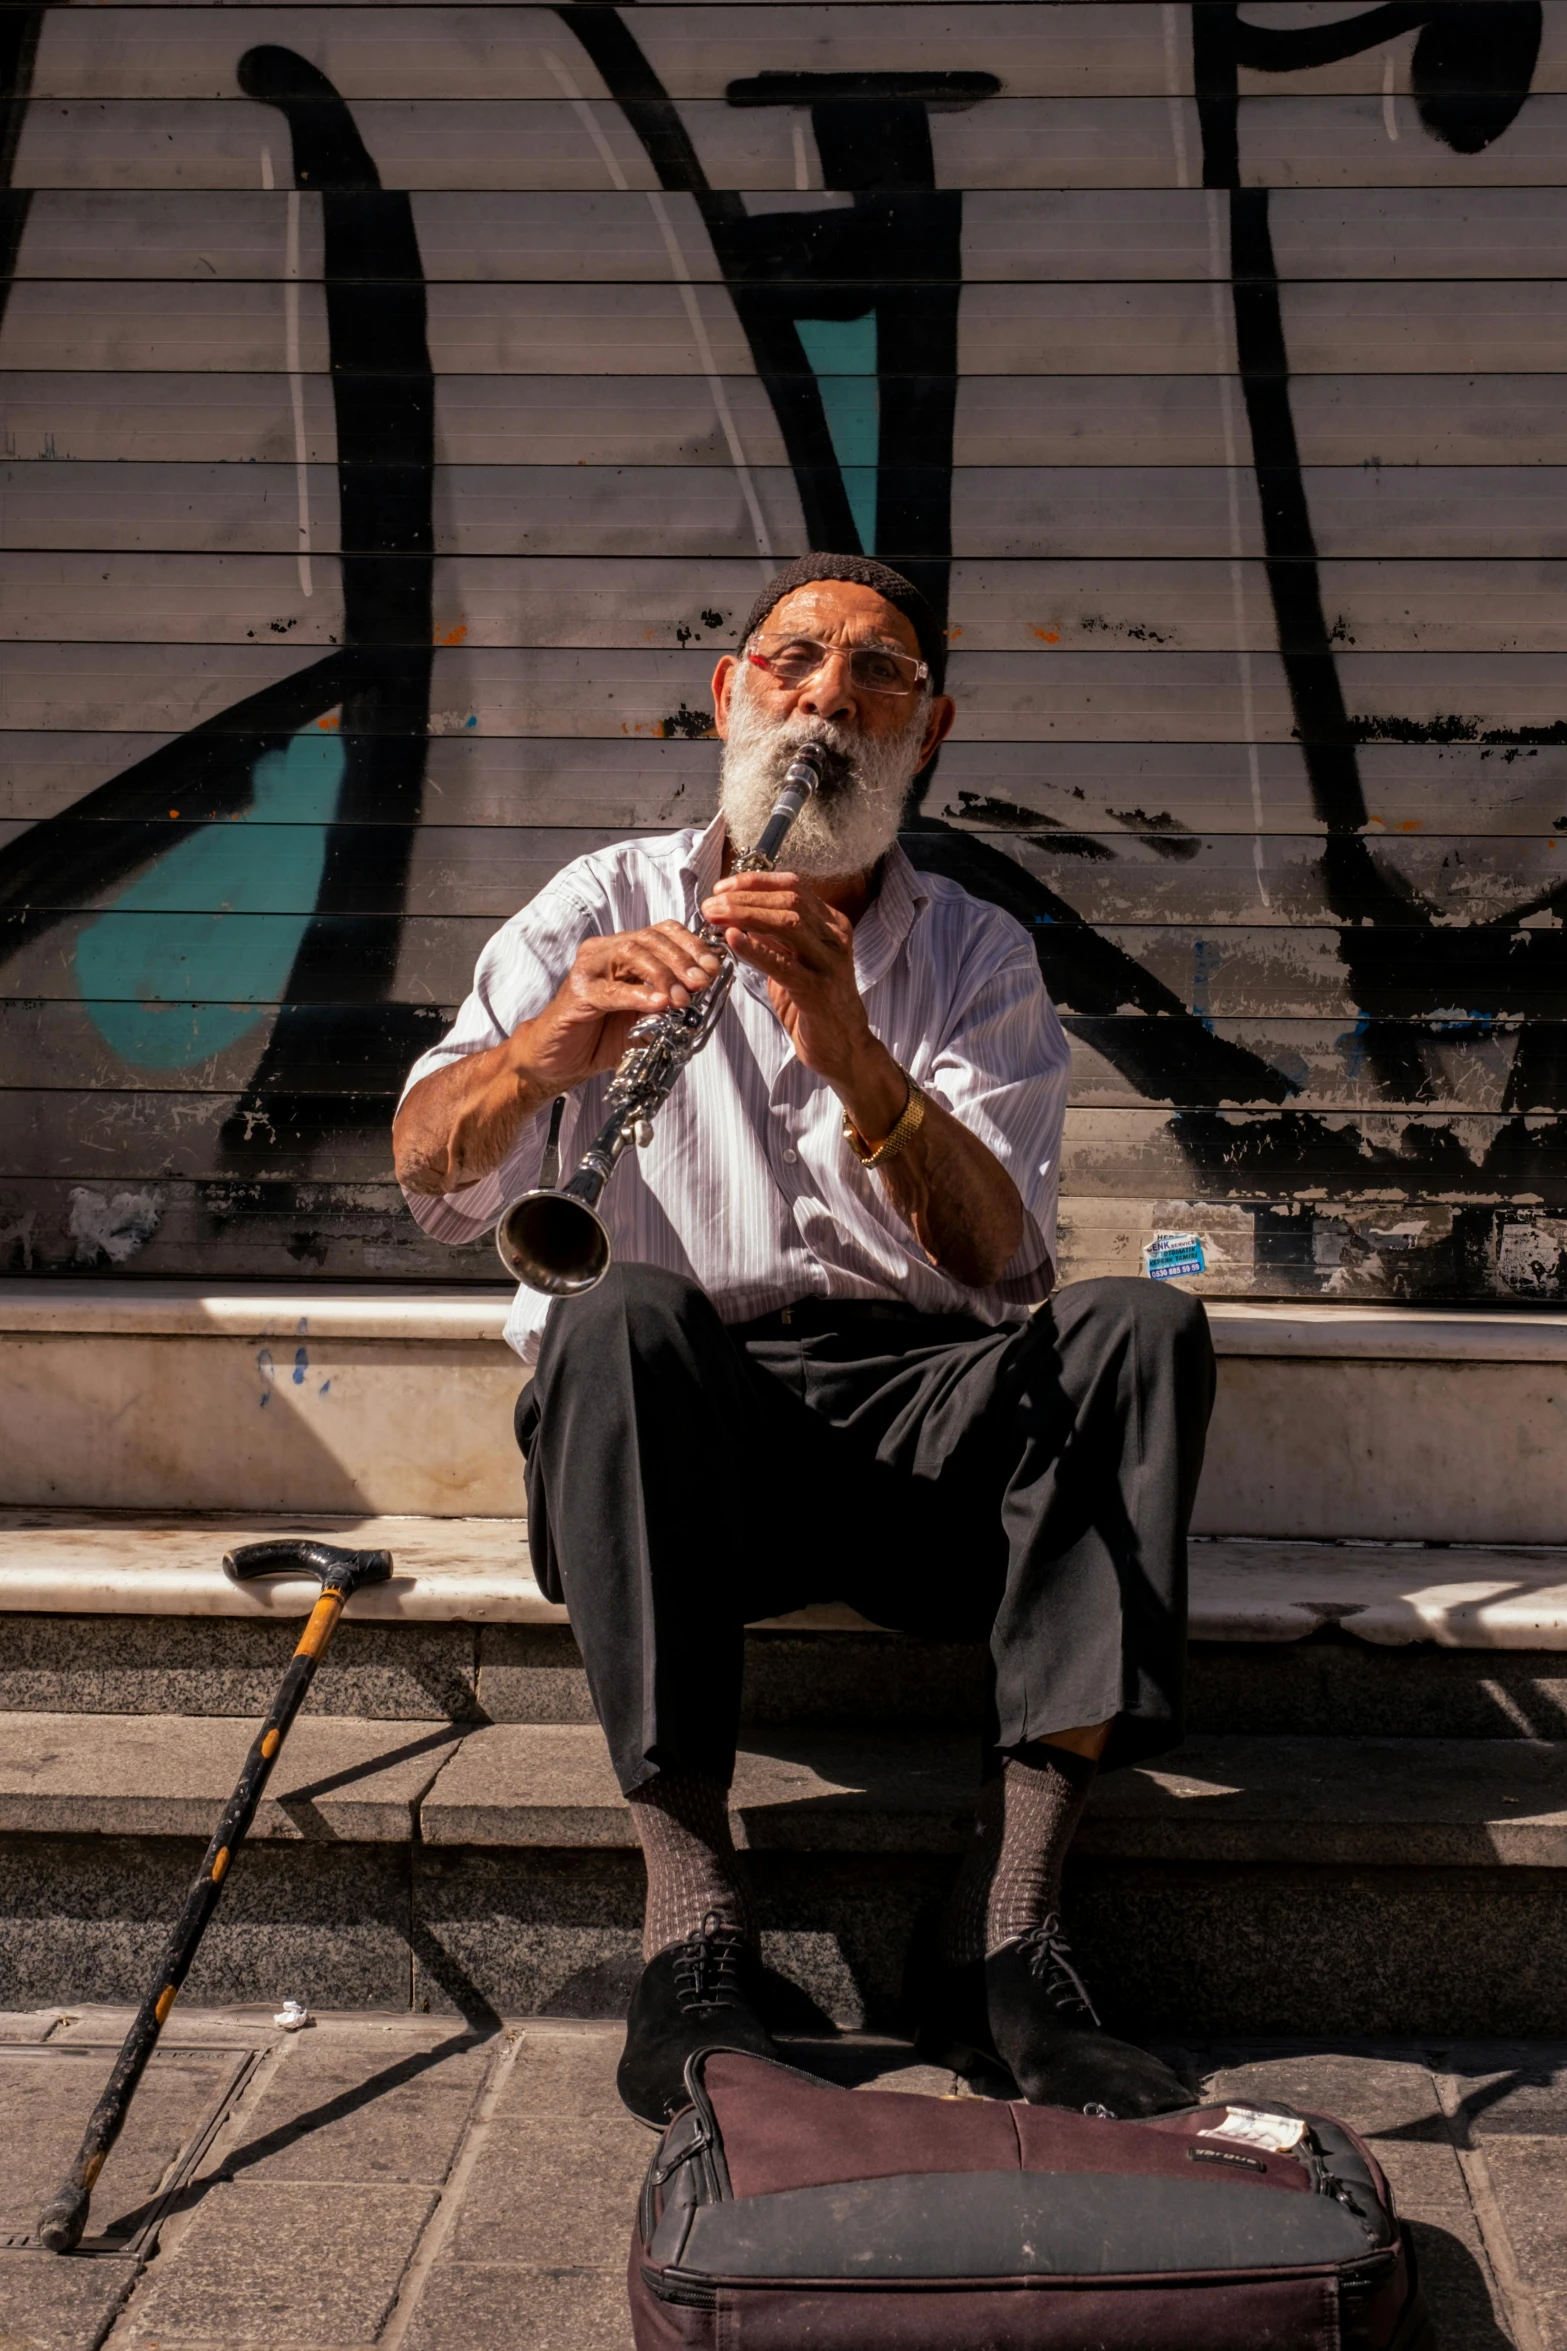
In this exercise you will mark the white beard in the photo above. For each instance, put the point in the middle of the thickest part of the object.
(853, 820)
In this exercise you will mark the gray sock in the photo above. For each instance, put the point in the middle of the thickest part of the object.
(1011, 1874)
(683, 1824)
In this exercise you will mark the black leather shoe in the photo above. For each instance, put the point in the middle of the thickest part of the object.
(1027, 2008)
(699, 1994)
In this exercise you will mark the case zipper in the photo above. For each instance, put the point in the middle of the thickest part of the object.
(684, 2293)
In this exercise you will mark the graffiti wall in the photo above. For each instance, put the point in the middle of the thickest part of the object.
(402, 403)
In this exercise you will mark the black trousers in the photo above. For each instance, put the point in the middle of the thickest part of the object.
(1030, 1487)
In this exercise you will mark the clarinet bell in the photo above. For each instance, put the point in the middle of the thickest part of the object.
(553, 1242)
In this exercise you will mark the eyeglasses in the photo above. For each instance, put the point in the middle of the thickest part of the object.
(875, 669)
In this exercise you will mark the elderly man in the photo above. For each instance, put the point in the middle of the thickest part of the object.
(812, 1372)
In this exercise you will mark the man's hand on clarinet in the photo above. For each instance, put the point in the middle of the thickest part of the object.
(612, 984)
(778, 924)
(963, 1206)
(460, 1122)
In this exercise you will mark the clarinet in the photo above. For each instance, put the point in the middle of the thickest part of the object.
(553, 1239)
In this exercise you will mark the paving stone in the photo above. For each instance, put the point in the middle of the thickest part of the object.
(46, 2097)
(501, 2306)
(89, 1921)
(264, 2262)
(870, 2062)
(51, 2305)
(171, 1775)
(1421, 2178)
(340, 2108)
(1550, 2318)
(1529, 2181)
(241, 2026)
(1374, 2095)
(222, 1666)
(28, 2024)
(564, 2069)
(1392, 2102)
(558, 2192)
(1501, 2091)
(1465, 2306)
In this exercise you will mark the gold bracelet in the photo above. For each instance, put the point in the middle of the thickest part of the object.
(910, 1120)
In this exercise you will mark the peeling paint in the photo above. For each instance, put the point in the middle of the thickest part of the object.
(114, 1225)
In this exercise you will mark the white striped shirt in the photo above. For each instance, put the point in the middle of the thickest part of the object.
(748, 1185)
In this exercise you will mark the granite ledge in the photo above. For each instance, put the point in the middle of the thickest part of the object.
(477, 1571)
(1241, 1326)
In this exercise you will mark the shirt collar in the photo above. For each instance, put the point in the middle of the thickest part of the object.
(882, 929)
(703, 863)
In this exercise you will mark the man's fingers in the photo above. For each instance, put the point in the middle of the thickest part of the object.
(610, 995)
(766, 954)
(796, 940)
(744, 910)
(697, 964)
(667, 953)
(644, 956)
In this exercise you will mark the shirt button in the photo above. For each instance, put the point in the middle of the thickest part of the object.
(790, 1157)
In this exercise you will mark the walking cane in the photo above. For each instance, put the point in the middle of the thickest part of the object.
(63, 2218)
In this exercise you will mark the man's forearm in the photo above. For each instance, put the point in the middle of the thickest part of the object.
(461, 1121)
(962, 1204)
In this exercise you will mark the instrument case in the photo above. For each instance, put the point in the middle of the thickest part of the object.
(783, 2214)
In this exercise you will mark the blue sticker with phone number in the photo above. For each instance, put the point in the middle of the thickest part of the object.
(1168, 1255)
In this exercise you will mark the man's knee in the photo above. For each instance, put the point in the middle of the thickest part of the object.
(1159, 1314)
(640, 1307)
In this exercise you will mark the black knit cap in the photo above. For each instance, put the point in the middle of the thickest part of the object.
(865, 572)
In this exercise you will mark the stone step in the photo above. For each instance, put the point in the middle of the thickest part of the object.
(1346, 1802)
(105, 1612)
(1333, 1420)
(1313, 1881)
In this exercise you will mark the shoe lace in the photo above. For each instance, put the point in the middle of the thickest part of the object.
(707, 1966)
(1048, 1957)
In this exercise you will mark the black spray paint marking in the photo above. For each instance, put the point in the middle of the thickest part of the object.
(383, 391)
(376, 686)
(893, 259)
(19, 31)
(1470, 73)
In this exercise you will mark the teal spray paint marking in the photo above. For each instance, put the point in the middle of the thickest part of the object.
(197, 949)
(301, 1366)
(842, 352)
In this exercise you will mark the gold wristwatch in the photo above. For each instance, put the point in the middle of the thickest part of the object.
(909, 1123)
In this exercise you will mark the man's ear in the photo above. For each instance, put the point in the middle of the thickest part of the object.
(723, 685)
(938, 726)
